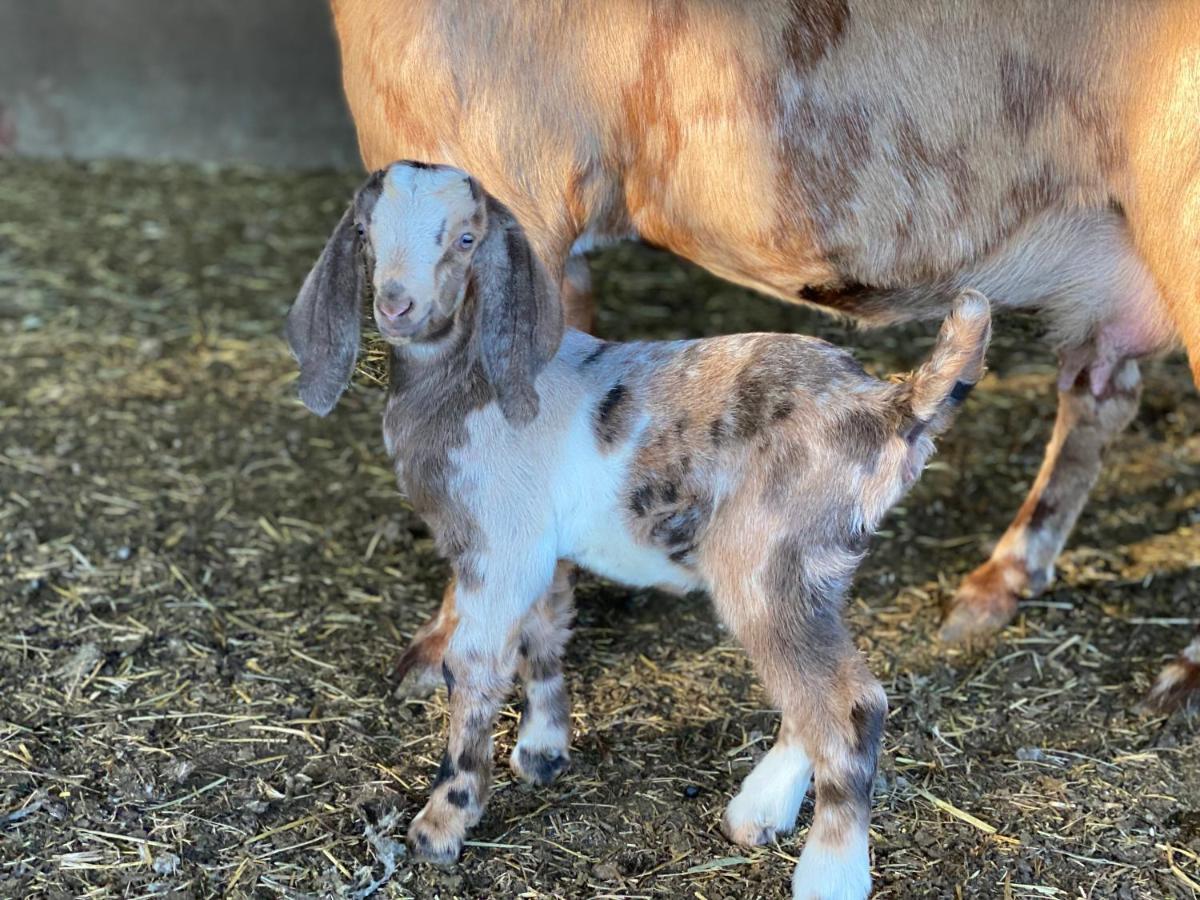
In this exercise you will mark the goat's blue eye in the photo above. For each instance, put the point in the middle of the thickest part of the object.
(362, 232)
(466, 241)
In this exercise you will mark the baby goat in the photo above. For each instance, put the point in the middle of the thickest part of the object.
(754, 467)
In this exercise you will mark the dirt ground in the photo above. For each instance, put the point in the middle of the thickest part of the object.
(202, 589)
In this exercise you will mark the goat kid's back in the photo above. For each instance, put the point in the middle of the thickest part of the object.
(783, 433)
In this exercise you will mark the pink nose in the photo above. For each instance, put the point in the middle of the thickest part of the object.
(394, 302)
(394, 309)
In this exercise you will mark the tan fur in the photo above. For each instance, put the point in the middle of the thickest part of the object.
(814, 153)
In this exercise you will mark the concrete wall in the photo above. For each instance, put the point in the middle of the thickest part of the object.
(203, 80)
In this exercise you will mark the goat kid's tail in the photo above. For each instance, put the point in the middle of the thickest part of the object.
(937, 389)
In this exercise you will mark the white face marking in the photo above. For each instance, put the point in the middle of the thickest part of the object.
(420, 212)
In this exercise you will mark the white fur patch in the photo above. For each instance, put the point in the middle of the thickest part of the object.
(556, 476)
(770, 798)
(538, 732)
(415, 206)
(826, 873)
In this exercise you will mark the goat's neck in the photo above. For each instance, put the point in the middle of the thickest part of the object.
(434, 384)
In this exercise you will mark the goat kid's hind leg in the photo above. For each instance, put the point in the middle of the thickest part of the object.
(478, 666)
(418, 670)
(769, 800)
(1023, 561)
(542, 751)
(842, 720)
(833, 717)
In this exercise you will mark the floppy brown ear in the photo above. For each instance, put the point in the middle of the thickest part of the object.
(323, 324)
(520, 322)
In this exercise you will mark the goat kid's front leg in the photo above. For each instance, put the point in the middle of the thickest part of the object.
(542, 751)
(478, 667)
(418, 670)
(1023, 562)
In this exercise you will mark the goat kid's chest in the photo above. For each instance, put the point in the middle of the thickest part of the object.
(550, 483)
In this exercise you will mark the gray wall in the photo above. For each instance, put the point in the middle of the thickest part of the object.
(202, 80)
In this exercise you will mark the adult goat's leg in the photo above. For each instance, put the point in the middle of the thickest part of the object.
(1178, 684)
(1023, 562)
(418, 670)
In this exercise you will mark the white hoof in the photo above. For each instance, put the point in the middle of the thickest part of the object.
(824, 873)
(770, 798)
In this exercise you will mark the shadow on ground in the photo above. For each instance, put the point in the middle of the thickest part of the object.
(202, 588)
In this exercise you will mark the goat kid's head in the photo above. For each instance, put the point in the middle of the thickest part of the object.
(428, 237)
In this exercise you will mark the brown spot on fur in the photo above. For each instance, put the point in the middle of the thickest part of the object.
(846, 297)
(445, 771)
(593, 357)
(868, 721)
(718, 431)
(655, 134)
(813, 29)
(1032, 92)
(787, 581)
(679, 530)
(749, 401)
(1036, 189)
(826, 144)
(1028, 89)
(833, 792)
(472, 758)
(614, 415)
(861, 433)
(641, 499)
(558, 712)
(543, 667)
(1042, 510)
(1097, 123)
